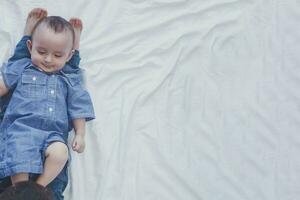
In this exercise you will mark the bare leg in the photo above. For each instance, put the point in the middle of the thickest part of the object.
(34, 16)
(77, 25)
(56, 158)
(19, 177)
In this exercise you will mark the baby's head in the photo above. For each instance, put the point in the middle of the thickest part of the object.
(51, 44)
(26, 190)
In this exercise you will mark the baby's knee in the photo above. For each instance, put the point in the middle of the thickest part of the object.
(57, 151)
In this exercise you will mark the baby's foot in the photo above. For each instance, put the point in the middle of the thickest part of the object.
(34, 16)
(77, 25)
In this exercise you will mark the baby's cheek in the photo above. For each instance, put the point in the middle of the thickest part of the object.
(61, 64)
(35, 60)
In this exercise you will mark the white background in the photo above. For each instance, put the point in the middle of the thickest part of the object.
(194, 99)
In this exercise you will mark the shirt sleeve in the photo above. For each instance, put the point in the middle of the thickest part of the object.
(11, 72)
(21, 50)
(79, 103)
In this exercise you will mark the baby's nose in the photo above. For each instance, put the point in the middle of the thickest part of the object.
(48, 58)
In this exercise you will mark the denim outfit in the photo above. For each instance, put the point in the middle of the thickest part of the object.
(40, 112)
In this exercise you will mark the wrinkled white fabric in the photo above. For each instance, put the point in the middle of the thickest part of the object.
(194, 99)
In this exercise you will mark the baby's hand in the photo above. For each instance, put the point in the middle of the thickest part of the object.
(78, 144)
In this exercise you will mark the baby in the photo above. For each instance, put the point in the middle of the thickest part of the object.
(44, 100)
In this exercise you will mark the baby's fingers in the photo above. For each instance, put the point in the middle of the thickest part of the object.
(75, 146)
(79, 149)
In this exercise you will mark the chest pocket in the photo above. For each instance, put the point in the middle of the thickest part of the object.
(33, 85)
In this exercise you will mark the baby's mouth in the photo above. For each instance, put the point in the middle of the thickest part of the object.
(46, 65)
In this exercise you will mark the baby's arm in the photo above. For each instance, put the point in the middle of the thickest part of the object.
(80, 110)
(78, 143)
(21, 50)
(11, 73)
(3, 88)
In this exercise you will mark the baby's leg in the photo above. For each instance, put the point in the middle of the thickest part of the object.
(56, 157)
(21, 50)
(75, 60)
(77, 26)
(19, 177)
(33, 17)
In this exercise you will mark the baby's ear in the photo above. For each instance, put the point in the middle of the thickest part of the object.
(71, 54)
(29, 45)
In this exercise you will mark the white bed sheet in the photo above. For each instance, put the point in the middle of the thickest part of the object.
(194, 99)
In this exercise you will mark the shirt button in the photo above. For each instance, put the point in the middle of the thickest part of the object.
(34, 78)
(50, 109)
(52, 91)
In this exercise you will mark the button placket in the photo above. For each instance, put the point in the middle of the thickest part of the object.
(51, 96)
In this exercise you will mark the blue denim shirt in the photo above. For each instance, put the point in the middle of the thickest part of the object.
(21, 51)
(46, 101)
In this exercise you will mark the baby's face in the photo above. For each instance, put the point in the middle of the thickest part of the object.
(49, 50)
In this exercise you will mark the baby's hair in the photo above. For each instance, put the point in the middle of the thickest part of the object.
(26, 190)
(55, 23)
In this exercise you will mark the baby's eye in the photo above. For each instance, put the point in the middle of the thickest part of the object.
(58, 55)
(41, 52)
